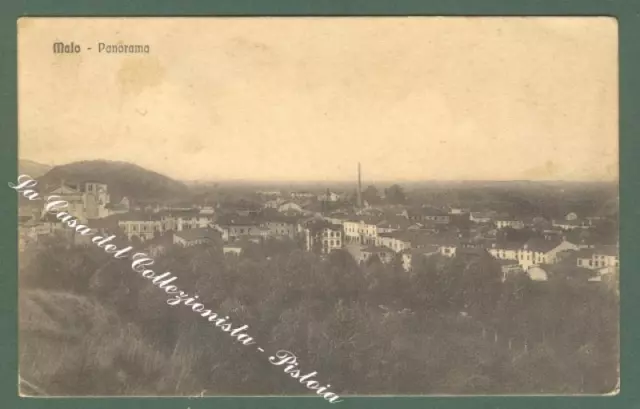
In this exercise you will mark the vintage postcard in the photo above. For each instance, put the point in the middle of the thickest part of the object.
(318, 206)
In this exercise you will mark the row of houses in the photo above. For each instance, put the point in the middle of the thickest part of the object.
(147, 225)
(419, 235)
(385, 233)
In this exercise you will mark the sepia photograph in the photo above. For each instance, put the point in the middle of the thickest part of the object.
(318, 206)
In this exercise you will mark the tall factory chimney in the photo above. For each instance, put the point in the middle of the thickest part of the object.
(359, 192)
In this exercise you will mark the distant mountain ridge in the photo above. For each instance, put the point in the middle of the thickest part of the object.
(122, 178)
(32, 168)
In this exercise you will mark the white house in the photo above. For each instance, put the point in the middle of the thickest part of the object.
(504, 251)
(602, 257)
(323, 236)
(362, 231)
(143, 225)
(234, 227)
(512, 223)
(536, 252)
(397, 241)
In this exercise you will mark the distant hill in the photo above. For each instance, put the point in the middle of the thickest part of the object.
(31, 168)
(123, 179)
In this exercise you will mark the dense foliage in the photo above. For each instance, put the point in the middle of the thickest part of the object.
(449, 326)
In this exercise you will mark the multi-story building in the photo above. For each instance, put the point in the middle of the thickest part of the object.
(234, 227)
(323, 237)
(179, 220)
(87, 200)
(362, 231)
(599, 257)
(75, 199)
(96, 198)
(538, 251)
(512, 223)
(278, 225)
(504, 251)
(143, 225)
(397, 241)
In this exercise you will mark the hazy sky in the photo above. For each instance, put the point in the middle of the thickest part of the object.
(307, 98)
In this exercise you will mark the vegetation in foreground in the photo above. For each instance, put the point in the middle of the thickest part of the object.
(91, 326)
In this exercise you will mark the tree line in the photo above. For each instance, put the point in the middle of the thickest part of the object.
(373, 328)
